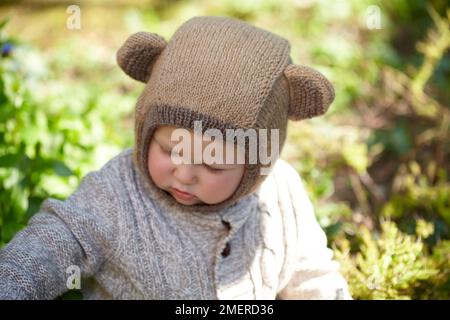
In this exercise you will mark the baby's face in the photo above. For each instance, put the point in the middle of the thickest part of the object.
(202, 183)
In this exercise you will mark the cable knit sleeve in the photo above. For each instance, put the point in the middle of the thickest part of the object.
(76, 232)
(315, 275)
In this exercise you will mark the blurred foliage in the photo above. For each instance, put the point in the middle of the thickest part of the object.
(376, 165)
(395, 265)
(51, 135)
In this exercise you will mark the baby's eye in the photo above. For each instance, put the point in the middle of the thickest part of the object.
(164, 150)
(216, 170)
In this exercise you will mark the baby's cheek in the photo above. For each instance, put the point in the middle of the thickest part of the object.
(219, 188)
(159, 168)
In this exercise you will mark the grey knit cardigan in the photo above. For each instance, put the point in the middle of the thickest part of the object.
(126, 245)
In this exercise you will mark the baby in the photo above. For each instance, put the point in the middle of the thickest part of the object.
(198, 208)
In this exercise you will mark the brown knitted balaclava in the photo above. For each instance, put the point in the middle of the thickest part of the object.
(228, 75)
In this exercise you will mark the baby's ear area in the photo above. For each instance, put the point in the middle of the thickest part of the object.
(310, 92)
(137, 55)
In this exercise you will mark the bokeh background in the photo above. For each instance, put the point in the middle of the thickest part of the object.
(376, 165)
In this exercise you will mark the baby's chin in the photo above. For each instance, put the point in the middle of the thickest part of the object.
(187, 203)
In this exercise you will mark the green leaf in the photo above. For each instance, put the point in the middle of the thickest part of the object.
(4, 22)
(61, 169)
(34, 204)
(9, 160)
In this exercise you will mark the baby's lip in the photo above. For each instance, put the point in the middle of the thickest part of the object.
(177, 194)
(184, 193)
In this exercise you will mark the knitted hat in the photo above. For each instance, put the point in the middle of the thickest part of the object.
(227, 74)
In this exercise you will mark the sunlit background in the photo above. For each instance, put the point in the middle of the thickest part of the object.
(376, 165)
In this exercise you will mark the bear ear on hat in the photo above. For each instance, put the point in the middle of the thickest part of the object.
(310, 92)
(137, 55)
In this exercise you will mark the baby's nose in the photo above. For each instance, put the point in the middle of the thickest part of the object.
(185, 174)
